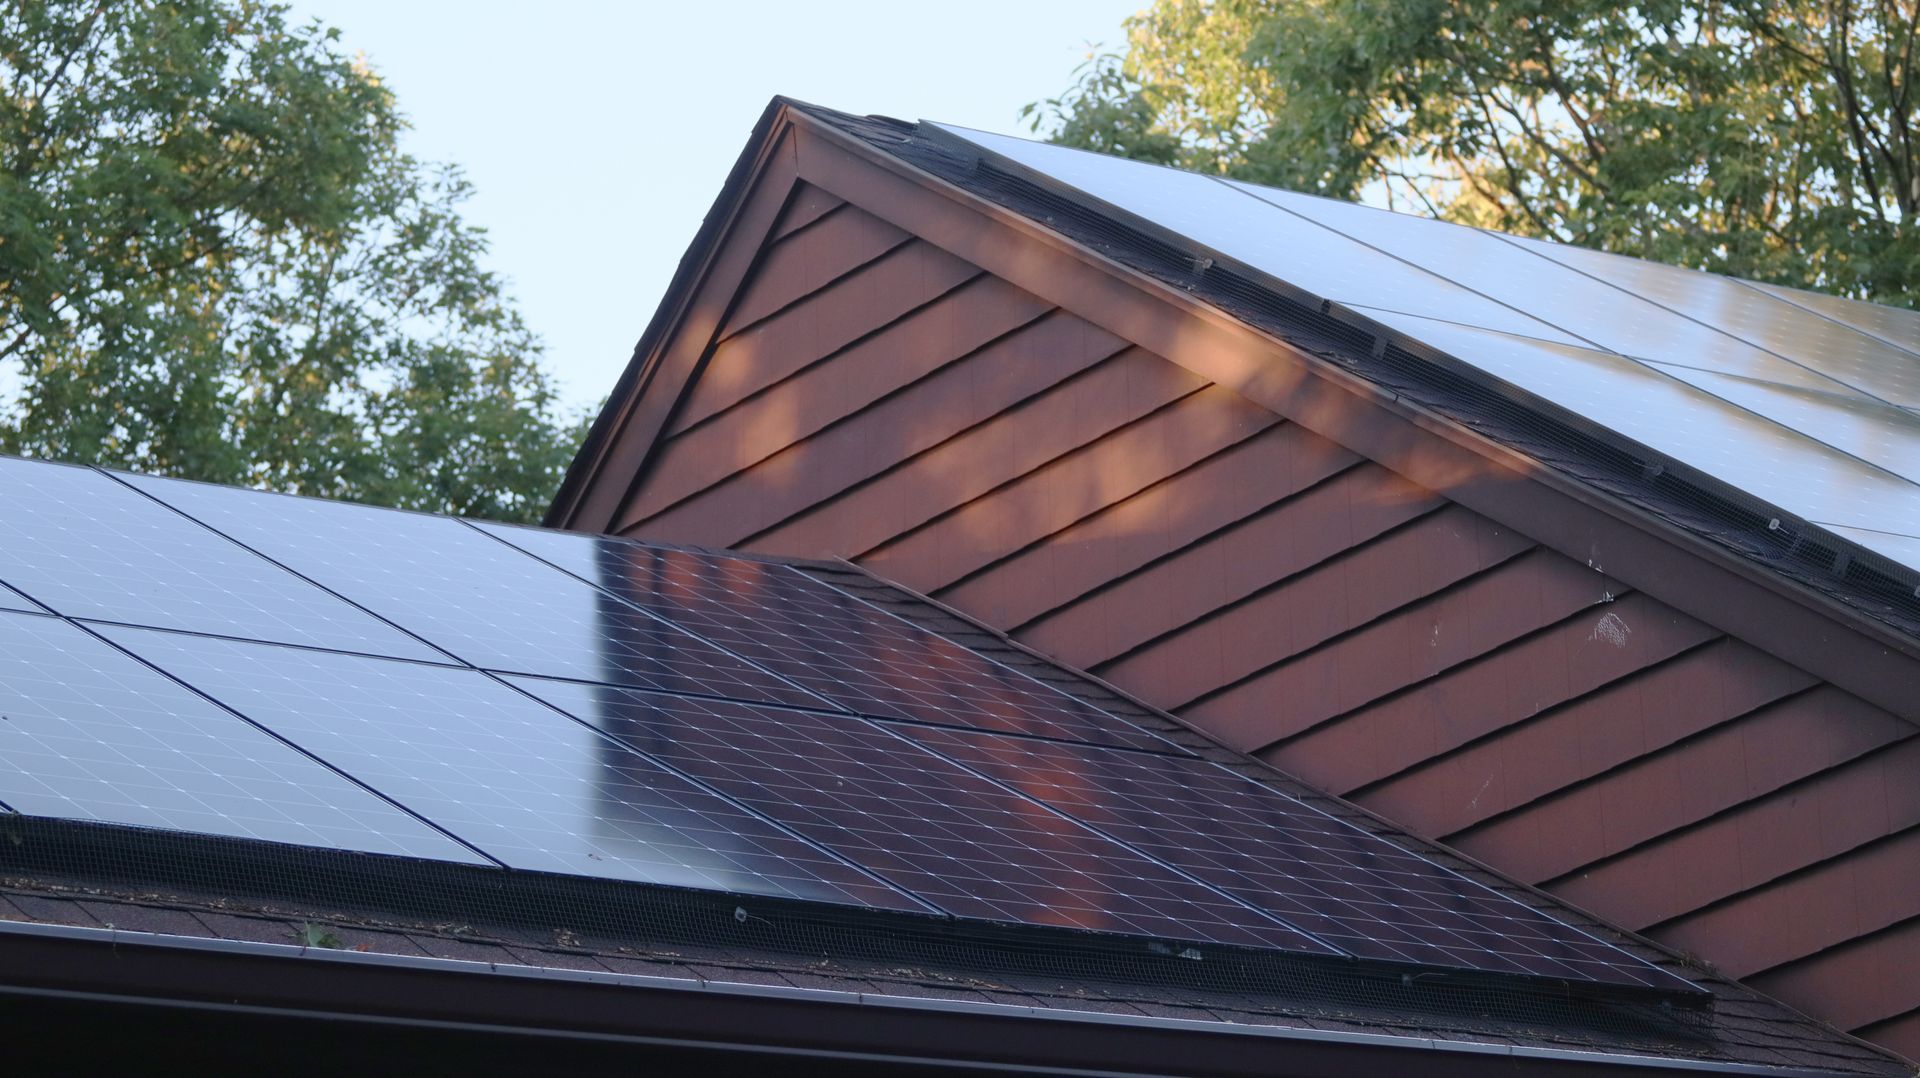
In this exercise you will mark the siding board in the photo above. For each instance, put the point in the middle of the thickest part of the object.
(1124, 538)
(1825, 816)
(773, 349)
(953, 399)
(1855, 895)
(1864, 982)
(1067, 490)
(809, 259)
(805, 205)
(1722, 769)
(1624, 721)
(946, 331)
(1517, 596)
(1490, 693)
(1116, 392)
(1170, 601)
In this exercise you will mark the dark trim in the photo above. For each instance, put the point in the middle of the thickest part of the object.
(578, 484)
(230, 983)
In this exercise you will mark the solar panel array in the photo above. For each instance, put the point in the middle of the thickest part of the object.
(420, 686)
(1808, 402)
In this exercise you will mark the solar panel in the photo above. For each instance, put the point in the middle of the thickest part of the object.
(1894, 325)
(1874, 432)
(478, 599)
(1347, 887)
(1769, 460)
(1593, 311)
(1861, 361)
(967, 845)
(88, 547)
(1290, 248)
(87, 733)
(529, 786)
(831, 643)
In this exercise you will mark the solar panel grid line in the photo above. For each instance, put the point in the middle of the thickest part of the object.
(490, 533)
(486, 762)
(91, 732)
(696, 781)
(79, 541)
(1350, 888)
(931, 827)
(1767, 299)
(1465, 248)
(468, 596)
(270, 732)
(1830, 307)
(1533, 315)
(861, 658)
(1664, 371)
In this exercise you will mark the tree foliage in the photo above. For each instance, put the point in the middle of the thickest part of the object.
(216, 262)
(1772, 139)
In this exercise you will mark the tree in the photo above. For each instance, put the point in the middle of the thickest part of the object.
(216, 262)
(1771, 139)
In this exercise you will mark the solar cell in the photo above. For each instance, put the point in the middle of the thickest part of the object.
(478, 599)
(515, 778)
(88, 547)
(1770, 461)
(829, 642)
(1291, 248)
(962, 843)
(87, 733)
(1350, 888)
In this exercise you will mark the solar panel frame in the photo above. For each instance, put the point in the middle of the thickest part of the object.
(69, 749)
(514, 777)
(837, 646)
(1345, 886)
(485, 603)
(923, 822)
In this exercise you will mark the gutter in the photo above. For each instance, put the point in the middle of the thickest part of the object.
(446, 1004)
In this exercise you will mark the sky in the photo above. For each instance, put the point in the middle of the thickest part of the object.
(598, 134)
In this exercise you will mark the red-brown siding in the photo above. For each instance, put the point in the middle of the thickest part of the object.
(873, 397)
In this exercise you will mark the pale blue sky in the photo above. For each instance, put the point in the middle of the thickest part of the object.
(598, 134)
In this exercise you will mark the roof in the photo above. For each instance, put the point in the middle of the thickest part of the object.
(1778, 425)
(314, 727)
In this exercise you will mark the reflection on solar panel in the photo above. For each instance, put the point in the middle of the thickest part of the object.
(1807, 381)
(527, 785)
(87, 733)
(88, 547)
(1891, 324)
(956, 840)
(466, 593)
(1349, 888)
(833, 644)
(307, 737)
